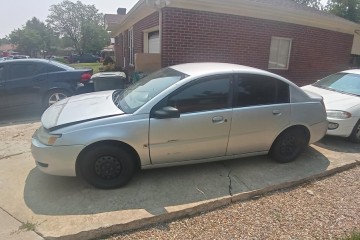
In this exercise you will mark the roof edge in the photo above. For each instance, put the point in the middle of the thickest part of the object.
(258, 10)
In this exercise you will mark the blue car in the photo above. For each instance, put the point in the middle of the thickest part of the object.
(38, 82)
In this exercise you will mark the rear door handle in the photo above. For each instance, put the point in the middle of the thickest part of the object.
(276, 112)
(219, 119)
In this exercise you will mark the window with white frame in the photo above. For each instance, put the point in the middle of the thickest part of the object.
(131, 46)
(280, 53)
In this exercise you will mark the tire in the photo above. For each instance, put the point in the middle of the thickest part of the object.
(54, 96)
(288, 145)
(355, 134)
(106, 166)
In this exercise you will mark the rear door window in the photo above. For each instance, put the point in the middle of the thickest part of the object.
(2, 73)
(22, 70)
(255, 90)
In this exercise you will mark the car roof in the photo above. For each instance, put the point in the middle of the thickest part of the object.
(194, 69)
(28, 60)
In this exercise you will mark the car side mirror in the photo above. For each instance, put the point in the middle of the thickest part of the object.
(165, 113)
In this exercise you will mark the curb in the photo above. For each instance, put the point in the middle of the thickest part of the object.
(202, 207)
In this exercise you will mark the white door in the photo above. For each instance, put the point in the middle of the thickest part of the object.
(154, 42)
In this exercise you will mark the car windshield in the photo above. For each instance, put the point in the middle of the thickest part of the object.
(145, 89)
(61, 65)
(348, 83)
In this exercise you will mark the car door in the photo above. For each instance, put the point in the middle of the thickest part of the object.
(3, 100)
(261, 112)
(202, 130)
(24, 84)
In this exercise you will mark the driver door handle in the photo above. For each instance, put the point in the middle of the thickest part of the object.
(218, 119)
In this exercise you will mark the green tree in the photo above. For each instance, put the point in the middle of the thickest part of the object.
(4, 41)
(81, 23)
(311, 3)
(348, 9)
(33, 38)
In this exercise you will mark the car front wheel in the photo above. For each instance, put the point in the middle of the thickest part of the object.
(106, 166)
(288, 145)
(355, 135)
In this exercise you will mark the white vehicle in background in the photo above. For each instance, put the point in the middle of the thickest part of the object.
(341, 93)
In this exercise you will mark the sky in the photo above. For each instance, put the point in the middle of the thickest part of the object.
(15, 13)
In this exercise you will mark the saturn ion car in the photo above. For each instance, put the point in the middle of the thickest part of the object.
(341, 93)
(184, 114)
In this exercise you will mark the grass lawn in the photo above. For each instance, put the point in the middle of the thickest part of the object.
(94, 66)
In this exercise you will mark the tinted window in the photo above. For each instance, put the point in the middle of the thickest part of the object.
(22, 70)
(2, 73)
(208, 94)
(48, 68)
(61, 65)
(255, 90)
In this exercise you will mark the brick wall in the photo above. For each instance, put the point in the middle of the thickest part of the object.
(146, 23)
(194, 36)
(138, 28)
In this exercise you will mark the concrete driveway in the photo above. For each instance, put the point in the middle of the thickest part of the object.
(68, 208)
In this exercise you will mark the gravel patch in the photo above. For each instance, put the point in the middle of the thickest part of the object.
(325, 209)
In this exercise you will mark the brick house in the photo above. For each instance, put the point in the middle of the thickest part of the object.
(297, 42)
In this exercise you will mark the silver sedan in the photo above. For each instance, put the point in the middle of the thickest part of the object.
(184, 114)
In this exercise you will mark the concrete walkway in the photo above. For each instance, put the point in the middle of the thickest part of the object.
(68, 208)
(11, 229)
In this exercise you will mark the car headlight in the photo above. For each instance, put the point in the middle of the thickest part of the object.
(338, 114)
(45, 137)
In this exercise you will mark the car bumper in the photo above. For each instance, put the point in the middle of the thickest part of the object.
(345, 126)
(318, 131)
(55, 160)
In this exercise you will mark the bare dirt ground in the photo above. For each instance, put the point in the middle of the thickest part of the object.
(325, 209)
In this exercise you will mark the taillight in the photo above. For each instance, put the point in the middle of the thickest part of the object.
(85, 77)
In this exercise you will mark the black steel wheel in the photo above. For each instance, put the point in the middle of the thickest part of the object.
(288, 145)
(106, 166)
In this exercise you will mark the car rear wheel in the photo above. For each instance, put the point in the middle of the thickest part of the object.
(288, 145)
(355, 135)
(107, 166)
(54, 96)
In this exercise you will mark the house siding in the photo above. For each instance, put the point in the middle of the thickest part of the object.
(196, 36)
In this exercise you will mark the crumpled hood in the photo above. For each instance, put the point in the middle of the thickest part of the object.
(80, 108)
(334, 100)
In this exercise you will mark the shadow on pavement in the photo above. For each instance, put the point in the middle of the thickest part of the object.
(155, 190)
(20, 117)
(338, 144)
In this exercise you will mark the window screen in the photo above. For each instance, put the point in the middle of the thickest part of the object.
(279, 53)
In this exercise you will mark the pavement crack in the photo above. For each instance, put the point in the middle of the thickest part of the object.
(230, 183)
(12, 155)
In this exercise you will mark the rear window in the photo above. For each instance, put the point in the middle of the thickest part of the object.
(61, 65)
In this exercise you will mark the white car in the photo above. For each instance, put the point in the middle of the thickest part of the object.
(189, 113)
(341, 93)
